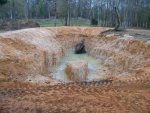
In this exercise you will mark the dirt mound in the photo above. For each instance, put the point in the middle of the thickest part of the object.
(18, 24)
(28, 53)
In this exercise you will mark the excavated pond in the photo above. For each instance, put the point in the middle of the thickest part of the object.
(27, 59)
(36, 55)
(95, 70)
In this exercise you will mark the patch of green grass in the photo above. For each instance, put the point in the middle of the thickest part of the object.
(50, 23)
(61, 23)
(80, 23)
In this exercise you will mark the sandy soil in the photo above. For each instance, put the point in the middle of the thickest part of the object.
(139, 33)
(25, 98)
(136, 33)
(29, 54)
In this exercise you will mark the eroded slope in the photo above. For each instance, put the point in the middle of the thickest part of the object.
(29, 55)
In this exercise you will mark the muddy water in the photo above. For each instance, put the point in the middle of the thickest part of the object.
(96, 70)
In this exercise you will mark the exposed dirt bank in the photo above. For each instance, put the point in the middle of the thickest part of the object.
(27, 58)
(140, 34)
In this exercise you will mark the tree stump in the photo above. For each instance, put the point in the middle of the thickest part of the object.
(80, 47)
(77, 70)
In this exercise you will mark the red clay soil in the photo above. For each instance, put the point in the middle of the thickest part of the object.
(31, 53)
(25, 98)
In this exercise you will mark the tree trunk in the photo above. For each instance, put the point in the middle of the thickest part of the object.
(66, 20)
(49, 10)
(26, 9)
(13, 9)
(118, 21)
(68, 13)
(98, 13)
(55, 12)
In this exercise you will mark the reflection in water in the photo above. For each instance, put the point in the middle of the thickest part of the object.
(96, 70)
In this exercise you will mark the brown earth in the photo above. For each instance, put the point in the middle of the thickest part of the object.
(27, 58)
(139, 34)
(22, 98)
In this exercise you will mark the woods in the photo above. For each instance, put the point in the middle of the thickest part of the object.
(132, 13)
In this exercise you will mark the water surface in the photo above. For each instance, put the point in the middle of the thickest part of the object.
(96, 70)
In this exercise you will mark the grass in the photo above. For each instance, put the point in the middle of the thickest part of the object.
(80, 23)
(52, 23)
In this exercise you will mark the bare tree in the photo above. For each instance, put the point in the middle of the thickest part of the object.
(26, 4)
(118, 21)
(117, 16)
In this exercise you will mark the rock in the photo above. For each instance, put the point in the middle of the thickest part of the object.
(80, 47)
(77, 70)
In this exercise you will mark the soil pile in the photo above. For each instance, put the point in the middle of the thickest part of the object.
(28, 52)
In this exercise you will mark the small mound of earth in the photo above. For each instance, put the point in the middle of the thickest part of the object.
(18, 24)
(141, 34)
